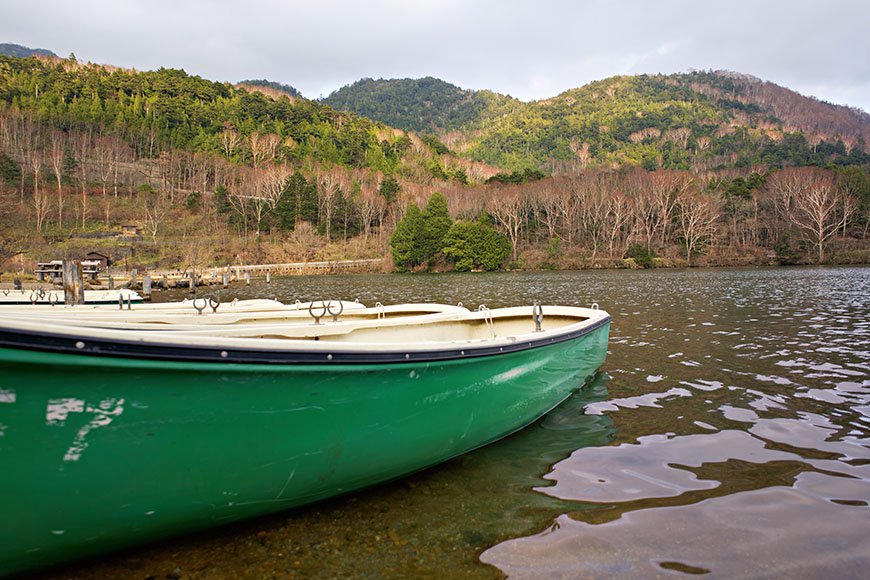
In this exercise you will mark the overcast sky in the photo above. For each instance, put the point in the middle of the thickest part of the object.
(530, 49)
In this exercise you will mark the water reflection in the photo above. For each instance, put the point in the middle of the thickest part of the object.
(782, 531)
(742, 445)
(645, 470)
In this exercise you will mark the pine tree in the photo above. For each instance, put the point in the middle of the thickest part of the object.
(436, 224)
(389, 189)
(406, 240)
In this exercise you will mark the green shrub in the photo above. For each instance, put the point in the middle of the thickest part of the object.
(641, 256)
(471, 245)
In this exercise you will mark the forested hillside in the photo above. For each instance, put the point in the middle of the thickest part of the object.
(701, 120)
(426, 105)
(155, 110)
(627, 172)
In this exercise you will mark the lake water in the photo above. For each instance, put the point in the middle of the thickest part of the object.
(727, 435)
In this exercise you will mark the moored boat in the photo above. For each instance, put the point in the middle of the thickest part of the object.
(200, 312)
(51, 296)
(113, 436)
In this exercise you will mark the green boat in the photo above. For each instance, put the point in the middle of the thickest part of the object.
(113, 437)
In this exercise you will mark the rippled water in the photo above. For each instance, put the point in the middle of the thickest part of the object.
(726, 435)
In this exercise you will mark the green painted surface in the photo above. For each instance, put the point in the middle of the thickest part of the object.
(99, 453)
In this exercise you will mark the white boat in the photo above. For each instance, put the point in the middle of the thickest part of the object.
(206, 312)
(51, 296)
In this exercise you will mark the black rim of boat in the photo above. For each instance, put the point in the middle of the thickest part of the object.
(138, 350)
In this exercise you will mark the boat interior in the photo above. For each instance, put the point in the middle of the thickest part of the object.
(409, 326)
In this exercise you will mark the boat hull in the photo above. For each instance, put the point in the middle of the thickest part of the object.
(99, 453)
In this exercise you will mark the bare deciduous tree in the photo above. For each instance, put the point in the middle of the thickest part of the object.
(617, 220)
(34, 159)
(83, 148)
(263, 147)
(328, 192)
(509, 207)
(257, 194)
(371, 209)
(56, 156)
(697, 213)
(644, 208)
(809, 199)
(303, 242)
(41, 205)
(230, 139)
(156, 209)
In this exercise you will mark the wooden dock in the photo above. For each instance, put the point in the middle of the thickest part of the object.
(295, 268)
(225, 275)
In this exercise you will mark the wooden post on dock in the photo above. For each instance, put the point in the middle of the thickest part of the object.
(111, 282)
(73, 288)
(146, 286)
(268, 277)
(134, 273)
(248, 278)
(226, 279)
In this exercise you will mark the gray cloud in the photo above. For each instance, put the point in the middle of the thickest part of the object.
(529, 50)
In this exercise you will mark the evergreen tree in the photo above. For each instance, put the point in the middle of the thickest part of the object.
(298, 202)
(436, 224)
(459, 245)
(9, 170)
(389, 189)
(493, 248)
(406, 241)
(221, 200)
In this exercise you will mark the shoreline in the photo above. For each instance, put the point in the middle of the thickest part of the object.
(180, 279)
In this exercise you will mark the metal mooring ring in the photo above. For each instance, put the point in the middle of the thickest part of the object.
(199, 309)
(538, 316)
(317, 317)
(335, 314)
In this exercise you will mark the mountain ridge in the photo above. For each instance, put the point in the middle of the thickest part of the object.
(623, 119)
(698, 120)
(18, 51)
